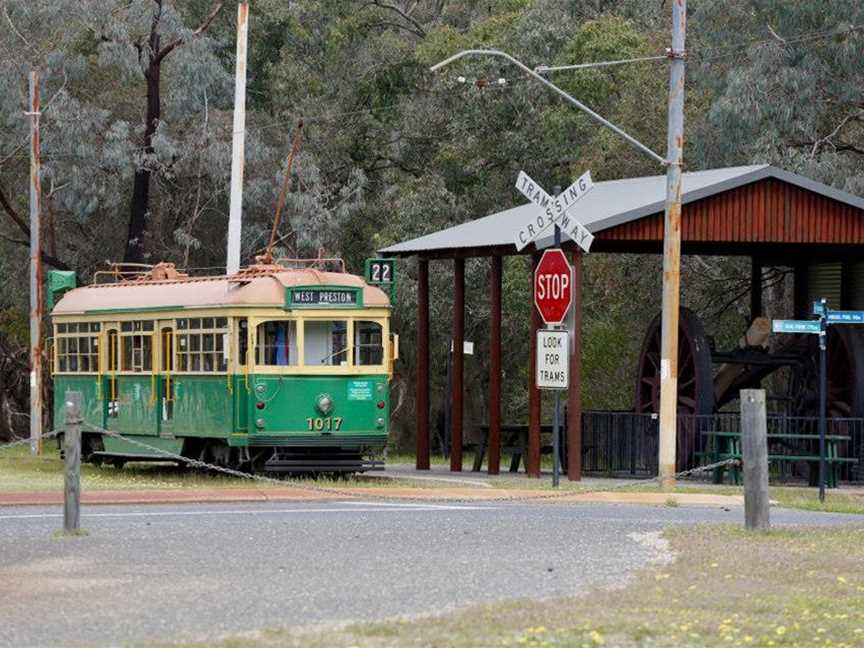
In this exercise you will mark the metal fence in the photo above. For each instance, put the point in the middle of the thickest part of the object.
(625, 443)
(620, 443)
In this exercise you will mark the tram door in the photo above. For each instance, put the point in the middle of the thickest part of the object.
(165, 409)
(110, 388)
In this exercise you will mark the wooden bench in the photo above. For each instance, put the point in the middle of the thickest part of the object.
(732, 450)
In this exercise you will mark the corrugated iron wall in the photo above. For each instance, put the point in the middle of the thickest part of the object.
(825, 281)
(768, 211)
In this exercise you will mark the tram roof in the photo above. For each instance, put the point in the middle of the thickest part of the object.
(265, 289)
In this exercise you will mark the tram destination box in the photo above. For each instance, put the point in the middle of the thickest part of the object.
(316, 297)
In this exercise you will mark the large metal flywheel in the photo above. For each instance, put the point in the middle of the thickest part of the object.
(695, 380)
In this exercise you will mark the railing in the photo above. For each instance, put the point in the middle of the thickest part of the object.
(619, 443)
(626, 443)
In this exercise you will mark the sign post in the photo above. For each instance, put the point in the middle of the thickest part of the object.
(553, 295)
(820, 327)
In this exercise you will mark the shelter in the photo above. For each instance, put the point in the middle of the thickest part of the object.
(772, 216)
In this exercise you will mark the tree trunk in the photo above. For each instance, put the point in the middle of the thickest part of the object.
(140, 209)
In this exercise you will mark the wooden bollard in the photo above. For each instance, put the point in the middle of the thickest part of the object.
(72, 464)
(754, 455)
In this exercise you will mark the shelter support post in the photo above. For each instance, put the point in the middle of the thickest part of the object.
(574, 393)
(458, 364)
(422, 462)
(495, 366)
(755, 288)
(532, 463)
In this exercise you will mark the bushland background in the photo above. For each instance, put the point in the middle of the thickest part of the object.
(137, 127)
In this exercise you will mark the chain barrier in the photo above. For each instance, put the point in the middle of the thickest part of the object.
(27, 440)
(197, 463)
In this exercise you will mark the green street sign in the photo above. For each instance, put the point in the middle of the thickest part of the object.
(796, 326)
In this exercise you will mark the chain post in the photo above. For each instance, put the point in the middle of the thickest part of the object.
(72, 465)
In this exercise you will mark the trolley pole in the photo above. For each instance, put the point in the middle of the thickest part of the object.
(672, 252)
(35, 271)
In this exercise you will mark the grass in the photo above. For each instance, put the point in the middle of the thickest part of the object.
(19, 471)
(727, 587)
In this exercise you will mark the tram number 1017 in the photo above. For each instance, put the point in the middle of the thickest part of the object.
(324, 423)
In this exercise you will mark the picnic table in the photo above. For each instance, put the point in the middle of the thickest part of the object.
(727, 445)
(514, 442)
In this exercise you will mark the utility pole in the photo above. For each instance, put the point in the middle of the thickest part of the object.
(35, 272)
(235, 218)
(672, 252)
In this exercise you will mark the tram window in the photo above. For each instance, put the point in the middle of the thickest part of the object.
(276, 345)
(200, 348)
(137, 352)
(136, 345)
(325, 343)
(135, 327)
(242, 341)
(368, 343)
(77, 348)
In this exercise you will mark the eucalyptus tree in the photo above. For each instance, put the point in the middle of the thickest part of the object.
(132, 91)
(787, 84)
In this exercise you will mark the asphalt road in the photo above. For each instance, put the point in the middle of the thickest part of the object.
(169, 573)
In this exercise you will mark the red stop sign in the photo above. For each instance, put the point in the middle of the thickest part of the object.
(553, 286)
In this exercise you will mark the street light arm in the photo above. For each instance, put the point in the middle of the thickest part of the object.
(554, 88)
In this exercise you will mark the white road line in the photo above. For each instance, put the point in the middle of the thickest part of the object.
(377, 509)
(420, 506)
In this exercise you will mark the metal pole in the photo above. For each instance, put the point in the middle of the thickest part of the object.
(555, 89)
(823, 399)
(672, 253)
(556, 420)
(235, 217)
(556, 440)
(72, 464)
(35, 271)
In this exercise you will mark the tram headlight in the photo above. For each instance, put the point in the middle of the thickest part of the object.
(380, 421)
(324, 404)
(259, 423)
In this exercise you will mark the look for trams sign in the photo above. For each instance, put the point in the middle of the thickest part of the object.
(553, 211)
(553, 366)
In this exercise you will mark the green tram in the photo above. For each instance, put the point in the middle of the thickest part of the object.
(269, 369)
